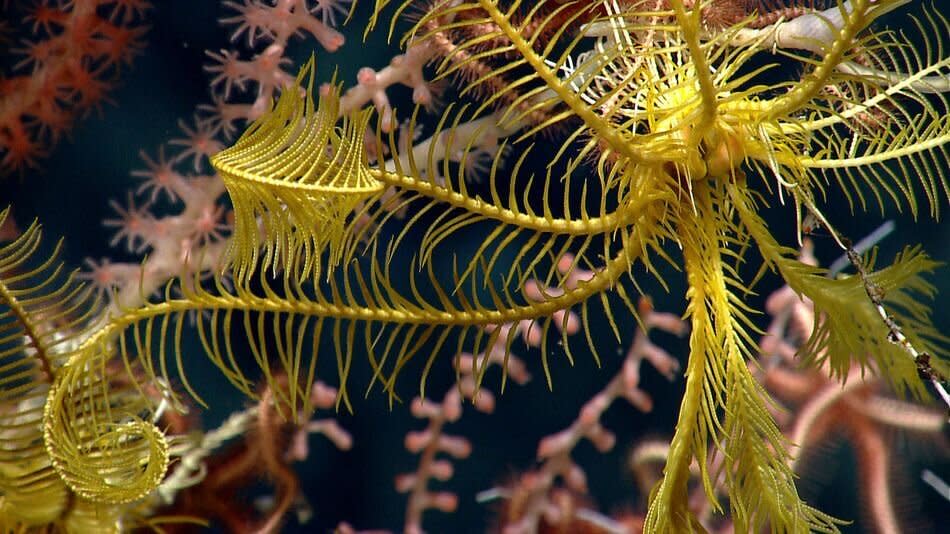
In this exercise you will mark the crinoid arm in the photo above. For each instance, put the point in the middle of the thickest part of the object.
(62, 474)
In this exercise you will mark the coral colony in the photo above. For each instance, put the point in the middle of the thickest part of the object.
(313, 239)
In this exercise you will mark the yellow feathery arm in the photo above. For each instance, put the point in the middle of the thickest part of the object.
(856, 15)
(102, 441)
(295, 185)
(421, 313)
(897, 85)
(302, 176)
(723, 407)
(564, 91)
(848, 328)
(697, 419)
(908, 147)
(45, 314)
(690, 29)
(31, 351)
(893, 139)
(623, 216)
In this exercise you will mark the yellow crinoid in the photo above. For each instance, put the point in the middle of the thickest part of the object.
(673, 112)
(676, 129)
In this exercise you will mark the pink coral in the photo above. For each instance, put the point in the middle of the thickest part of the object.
(72, 58)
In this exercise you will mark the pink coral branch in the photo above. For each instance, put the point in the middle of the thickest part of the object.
(534, 489)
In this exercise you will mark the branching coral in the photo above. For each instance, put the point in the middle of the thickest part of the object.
(271, 445)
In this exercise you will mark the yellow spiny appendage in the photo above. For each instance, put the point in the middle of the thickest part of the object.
(295, 177)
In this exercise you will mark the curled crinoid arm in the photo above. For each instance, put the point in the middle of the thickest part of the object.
(46, 313)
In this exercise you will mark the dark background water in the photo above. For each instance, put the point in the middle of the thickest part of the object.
(70, 193)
